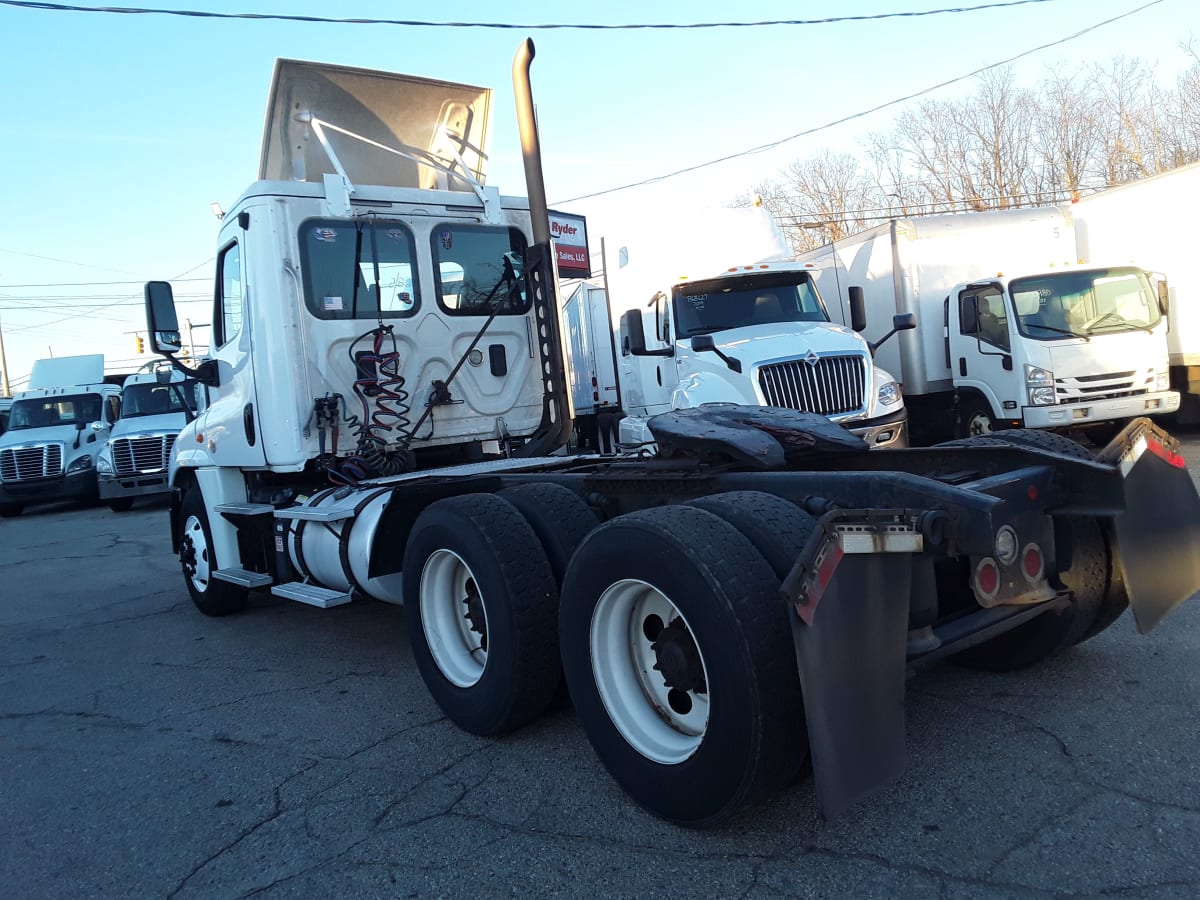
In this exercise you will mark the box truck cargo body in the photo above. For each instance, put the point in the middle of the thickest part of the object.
(1148, 223)
(592, 368)
(1013, 331)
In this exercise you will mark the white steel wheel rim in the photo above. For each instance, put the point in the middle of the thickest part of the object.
(193, 533)
(979, 424)
(634, 694)
(446, 583)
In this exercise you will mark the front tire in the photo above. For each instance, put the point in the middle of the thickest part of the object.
(481, 610)
(198, 559)
(678, 654)
(120, 504)
(975, 418)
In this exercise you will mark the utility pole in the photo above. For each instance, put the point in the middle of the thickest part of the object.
(6, 392)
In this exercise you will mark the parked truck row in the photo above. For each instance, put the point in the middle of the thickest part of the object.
(388, 417)
(78, 434)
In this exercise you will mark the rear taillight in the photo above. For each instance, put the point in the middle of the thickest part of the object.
(1032, 563)
(987, 578)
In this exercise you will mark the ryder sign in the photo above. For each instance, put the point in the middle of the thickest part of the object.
(569, 235)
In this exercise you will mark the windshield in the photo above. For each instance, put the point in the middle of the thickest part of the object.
(69, 409)
(1082, 304)
(151, 399)
(704, 307)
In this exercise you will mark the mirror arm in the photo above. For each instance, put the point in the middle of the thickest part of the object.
(206, 373)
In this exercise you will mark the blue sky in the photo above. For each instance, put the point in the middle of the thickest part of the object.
(119, 131)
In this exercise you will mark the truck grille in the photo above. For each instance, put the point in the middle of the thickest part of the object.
(22, 463)
(829, 385)
(141, 454)
(1084, 388)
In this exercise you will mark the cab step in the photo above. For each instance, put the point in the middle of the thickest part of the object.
(245, 509)
(315, 513)
(243, 577)
(311, 594)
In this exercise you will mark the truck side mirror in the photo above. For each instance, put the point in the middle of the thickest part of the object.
(858, 308)
(635, 335)
(1164, 296)
(162, 321)
(900, 322)
(704, 342)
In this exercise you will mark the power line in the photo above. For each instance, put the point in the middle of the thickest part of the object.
(858, 115)
(414, 23)
(46, 284)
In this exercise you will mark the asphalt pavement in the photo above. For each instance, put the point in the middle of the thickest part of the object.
(149, 751)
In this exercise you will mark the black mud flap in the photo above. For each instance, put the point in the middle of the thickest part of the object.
(850, 646)
(1158, 535)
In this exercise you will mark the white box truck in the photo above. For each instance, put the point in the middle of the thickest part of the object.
(155, 405)
(1150, 223)
(712, 310)
(592, 367)
(387, 418)
(1013, 331)
(56, 429)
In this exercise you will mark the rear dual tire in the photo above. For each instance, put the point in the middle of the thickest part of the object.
(677, 651)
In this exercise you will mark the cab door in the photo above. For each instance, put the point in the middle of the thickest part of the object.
(980, 337)
(229, 426)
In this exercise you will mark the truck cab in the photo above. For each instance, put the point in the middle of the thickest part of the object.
(1071, 348)
(755, 335)
(155, 406)
(55, 432)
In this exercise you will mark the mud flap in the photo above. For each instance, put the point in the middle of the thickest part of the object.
(1158, 535)
(851, 654)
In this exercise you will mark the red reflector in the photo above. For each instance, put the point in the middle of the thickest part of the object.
(1162, 452)
(1032, 561)
(987, 577)
(1032, 492)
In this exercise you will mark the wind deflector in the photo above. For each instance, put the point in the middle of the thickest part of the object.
(373, 128)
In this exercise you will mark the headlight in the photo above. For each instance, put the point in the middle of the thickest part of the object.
(1040, 384)
(80, 464)
(104, 463)
(889, 394)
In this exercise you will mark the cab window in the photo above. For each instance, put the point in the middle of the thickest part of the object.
(982, 314)
(363, 269)
(228, 319)
(479, 270)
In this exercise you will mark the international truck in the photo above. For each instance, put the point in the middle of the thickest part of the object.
(387, 420)
(155, 405)
(1149, 223)
(713, 310)
(56, 429)
(1013, 329)
(592, 368)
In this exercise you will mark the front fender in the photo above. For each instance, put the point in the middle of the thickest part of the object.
(712, 387)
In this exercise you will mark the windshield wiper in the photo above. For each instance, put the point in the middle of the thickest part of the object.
(1120, 322)
(1065, 331)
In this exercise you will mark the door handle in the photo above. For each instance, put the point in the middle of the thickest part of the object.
(962, 366)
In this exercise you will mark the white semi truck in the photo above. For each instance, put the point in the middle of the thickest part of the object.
(1149, 223)
(155, 405)
(56, 429)
(1013, 330)
(712, 310)
(387, 419)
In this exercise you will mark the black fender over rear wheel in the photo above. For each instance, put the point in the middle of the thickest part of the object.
(480, 606)
(212, 596)
(678, 654)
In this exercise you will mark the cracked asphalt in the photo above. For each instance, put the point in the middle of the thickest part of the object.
(149, 751)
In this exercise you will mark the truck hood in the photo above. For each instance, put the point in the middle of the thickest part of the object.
(166, 423)
(1107, 353)
(756, 344)
(34, 437)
